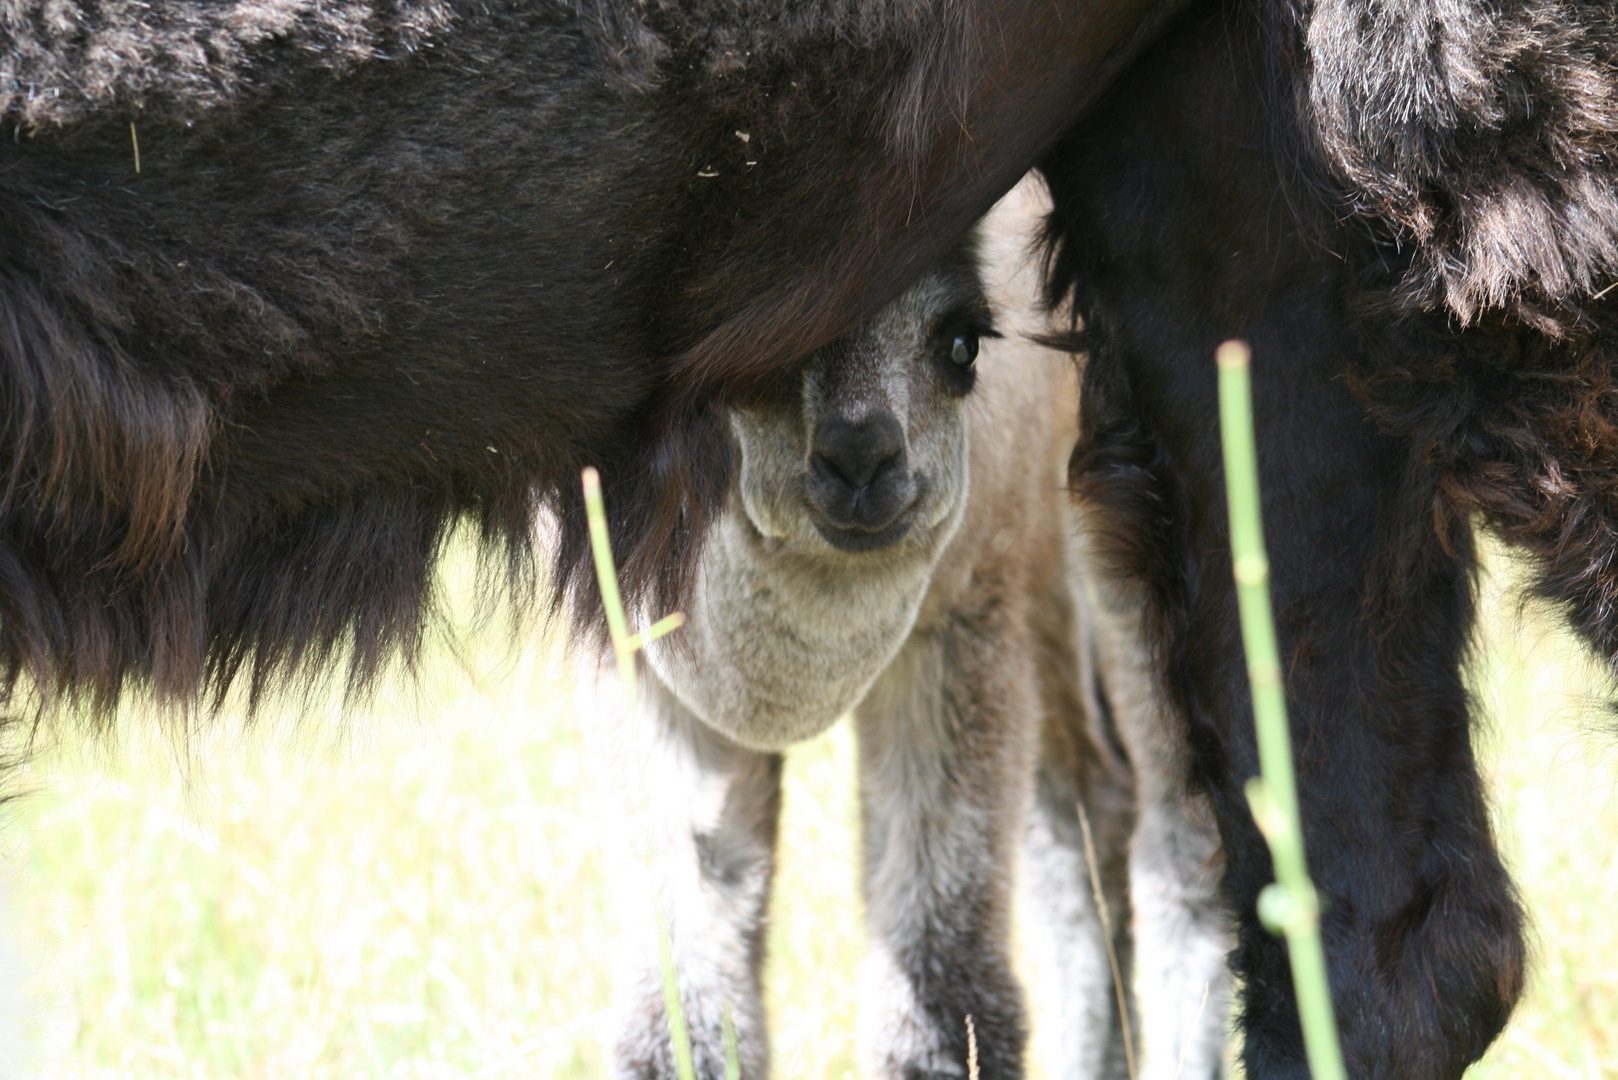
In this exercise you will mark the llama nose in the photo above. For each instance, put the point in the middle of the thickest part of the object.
(858, 473)
(858, 451)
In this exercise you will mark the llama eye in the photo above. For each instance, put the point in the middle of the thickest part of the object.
(964, 351)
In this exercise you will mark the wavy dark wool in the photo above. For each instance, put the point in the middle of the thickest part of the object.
(1409, 209)
(389, 266)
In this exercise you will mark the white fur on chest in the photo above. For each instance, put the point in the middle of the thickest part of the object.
(780, 642)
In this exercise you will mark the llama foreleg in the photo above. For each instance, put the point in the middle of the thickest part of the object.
(945, 749)
(708, 829)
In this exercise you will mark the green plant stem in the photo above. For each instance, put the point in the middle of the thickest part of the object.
(733, 1050)
(1290, 906)
(624, 645)
(679, 1035)
(595, 512)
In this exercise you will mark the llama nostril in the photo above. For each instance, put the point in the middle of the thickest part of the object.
(859, 474)
(855, 452)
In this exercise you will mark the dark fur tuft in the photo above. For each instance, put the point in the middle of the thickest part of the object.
(1481, 135)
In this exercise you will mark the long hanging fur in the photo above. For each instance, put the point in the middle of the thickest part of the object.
(387, 266)
(1478, 143)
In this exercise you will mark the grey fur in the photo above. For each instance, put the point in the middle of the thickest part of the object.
(704, 827)
(1182, 933)
(1078, 1024)
(787, 633)
(981, 673)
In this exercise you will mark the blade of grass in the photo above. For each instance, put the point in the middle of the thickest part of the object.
(1290, 905)
(624, 645)
(666, 625)
(1106, 931)
(595, 511)
(1179, 1065)
(679, 1034)
(733, 1050)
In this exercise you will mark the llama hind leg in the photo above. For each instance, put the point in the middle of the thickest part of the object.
(945, 760)
(1182, 934)
(707, 826)
(1080, 1034)
(1372, 602)
(1083, 808)
(1107, 748)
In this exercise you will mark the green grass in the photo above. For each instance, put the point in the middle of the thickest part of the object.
(1552, 758)
(426, 897)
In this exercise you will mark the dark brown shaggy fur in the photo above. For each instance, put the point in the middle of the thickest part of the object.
(1409, 209)
(388, 266)
(1480, 145)
(1482, 136)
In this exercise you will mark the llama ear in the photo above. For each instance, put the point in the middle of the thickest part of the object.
(1483, 133)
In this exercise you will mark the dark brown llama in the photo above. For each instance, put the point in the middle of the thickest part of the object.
(288, 288)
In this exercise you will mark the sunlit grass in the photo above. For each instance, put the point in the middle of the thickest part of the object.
(424, 902)
(1553, 758)
(427, 897)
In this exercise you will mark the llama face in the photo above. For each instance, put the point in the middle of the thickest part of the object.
(852, 481)
(866, 450)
